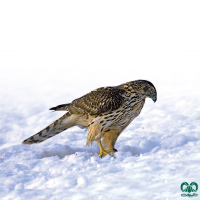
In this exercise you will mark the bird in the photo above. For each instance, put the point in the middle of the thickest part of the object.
(104, 112)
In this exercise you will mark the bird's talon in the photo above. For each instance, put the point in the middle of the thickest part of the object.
(111, 150)
(104, 153)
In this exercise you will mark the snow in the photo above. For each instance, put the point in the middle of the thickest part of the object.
(52, 53)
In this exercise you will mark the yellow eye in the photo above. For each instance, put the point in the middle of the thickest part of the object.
(152, 91)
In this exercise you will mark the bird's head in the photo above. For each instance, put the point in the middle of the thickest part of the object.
(150, 91)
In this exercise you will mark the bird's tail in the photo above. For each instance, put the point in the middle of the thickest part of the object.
(63, 123)
(60, 107)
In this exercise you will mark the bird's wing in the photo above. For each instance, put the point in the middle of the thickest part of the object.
(96, 102)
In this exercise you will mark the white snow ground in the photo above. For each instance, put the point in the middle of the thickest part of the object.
(158, 151)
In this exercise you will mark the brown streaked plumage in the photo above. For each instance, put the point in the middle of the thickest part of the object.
(105, 112)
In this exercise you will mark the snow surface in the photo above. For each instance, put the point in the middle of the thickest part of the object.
(53, 52)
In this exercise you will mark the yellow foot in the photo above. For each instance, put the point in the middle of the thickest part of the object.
(111, 150)
(102, 151)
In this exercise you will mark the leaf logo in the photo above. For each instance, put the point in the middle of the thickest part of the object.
(193, 187)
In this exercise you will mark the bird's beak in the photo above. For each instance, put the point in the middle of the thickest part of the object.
(154, 99)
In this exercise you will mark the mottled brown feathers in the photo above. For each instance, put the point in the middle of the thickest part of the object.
(98, 101)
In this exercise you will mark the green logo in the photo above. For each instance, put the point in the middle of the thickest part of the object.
(193, 187)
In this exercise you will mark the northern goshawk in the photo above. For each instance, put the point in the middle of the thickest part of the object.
(105, 112)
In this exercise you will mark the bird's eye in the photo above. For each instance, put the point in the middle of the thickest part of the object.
(152, 91)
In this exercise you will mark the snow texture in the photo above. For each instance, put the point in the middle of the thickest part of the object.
(53, 52)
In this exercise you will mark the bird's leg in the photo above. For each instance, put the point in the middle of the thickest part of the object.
(102, 151)
(109, 139)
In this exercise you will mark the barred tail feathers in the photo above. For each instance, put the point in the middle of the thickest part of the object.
(63, 123)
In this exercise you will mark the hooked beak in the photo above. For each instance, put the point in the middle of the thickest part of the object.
(154, 99)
